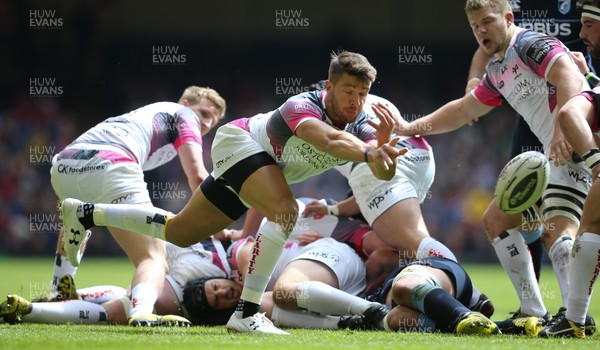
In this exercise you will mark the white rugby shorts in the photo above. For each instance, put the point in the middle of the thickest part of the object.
(339, 257)
(97, 180)
(415, 171)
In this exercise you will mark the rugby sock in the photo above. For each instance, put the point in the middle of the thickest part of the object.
(560, 256)
(531, 230)
(324, 299)
(432, 247)
(142, 219)
(101, 294)
(516, 261)
(438, 305)
(301, 319)
(265, 253)
(62, 267)
(584, 272)
(70, 311)
(143, 297)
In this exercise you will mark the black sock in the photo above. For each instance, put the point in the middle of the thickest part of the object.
(248, 308)
(441, 307)
(88, 216)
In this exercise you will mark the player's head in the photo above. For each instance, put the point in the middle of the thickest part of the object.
(206, 103)
(491, 21)
(590, 25)
(348, 84)
(211, 300)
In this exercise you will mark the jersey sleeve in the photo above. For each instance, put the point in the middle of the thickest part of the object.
(296, 111)
(487, 93)
(188, 127)
(539, 52)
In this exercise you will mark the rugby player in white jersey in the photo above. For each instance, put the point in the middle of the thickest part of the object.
(535, 74)
(384, 204)
(579, 122)
(106, 164)
(254, 161)
(557, 18)
(203, 265)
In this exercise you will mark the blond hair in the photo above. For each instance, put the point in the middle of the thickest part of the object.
(500, 7)
(352, 63)
(193, 94)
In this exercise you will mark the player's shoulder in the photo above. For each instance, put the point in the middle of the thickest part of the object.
(306, 102)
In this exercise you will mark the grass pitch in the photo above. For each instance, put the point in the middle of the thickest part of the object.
(30, 277)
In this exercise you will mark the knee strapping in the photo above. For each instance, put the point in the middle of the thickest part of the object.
(418, 294)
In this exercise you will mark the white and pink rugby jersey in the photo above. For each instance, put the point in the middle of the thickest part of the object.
(149, 135)
(276, 133)
(521, 79)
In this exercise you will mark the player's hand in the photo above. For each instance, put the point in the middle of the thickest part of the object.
(560, 150)
(308, 237)
(387, 122)
(581, 62)
(315, 208)
(386, 154)
(228, 234)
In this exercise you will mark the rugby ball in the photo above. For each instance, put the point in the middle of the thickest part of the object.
(522, 182)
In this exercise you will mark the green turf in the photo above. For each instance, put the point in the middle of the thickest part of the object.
(31, 276)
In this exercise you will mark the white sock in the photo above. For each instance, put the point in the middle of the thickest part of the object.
(143, 297)
(516, 260)
(101, 294)
(70, 311)
(585, 264)
(432, 247)
(142, 219)
(265, 253)
(302, 319)
(62, 267)
(560, 256)
(324, 299)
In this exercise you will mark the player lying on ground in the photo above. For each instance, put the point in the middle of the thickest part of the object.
(110, 304)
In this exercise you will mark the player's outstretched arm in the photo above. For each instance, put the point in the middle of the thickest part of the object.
(449, 117)
(345, 146)
(568, 83)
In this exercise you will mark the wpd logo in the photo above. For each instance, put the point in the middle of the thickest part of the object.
(564, 6)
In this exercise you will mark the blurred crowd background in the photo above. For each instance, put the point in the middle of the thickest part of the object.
(67, 65)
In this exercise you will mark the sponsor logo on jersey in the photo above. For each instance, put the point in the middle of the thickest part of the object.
(539, 50)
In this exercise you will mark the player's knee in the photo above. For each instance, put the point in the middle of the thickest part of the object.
(492, 224)
(284, 213)
(284, 293)
(401, 291)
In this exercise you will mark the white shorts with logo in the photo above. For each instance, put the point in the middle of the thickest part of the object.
(415, 171)
(339, 257)
(231, 145)
(99, 180)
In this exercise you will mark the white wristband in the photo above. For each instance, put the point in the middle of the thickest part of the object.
(333, 210)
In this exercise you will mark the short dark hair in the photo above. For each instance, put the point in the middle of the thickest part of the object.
(196, 305)
(353, 64)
